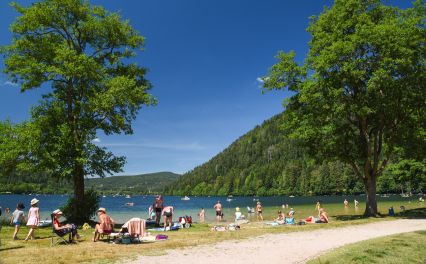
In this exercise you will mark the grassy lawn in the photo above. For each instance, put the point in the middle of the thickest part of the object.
(86, 251)
(400, 248)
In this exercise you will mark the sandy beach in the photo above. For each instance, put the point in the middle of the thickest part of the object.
(297, 247)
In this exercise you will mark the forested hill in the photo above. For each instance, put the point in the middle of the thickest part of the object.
(265, 162)
(141, 184)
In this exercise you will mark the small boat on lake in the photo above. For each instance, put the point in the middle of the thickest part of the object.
(128, 196)
(229, 199)
(186, 198)
(129, 204)
(291, 196)
(44, 223)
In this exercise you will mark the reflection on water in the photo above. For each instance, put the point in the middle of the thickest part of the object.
(118, 207)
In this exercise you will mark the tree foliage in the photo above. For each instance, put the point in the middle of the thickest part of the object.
(82, 53)
(361, 91)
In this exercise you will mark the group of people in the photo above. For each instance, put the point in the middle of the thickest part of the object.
(346, 203)
(18, 218)
(158, 210)
(238, 214)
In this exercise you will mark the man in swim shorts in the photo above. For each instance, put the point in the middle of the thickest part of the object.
(218, 208)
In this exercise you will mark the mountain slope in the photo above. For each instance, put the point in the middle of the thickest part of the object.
(265, 162)
(142, 184)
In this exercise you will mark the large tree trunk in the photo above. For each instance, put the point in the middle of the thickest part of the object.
(370, 195)
(78, 186)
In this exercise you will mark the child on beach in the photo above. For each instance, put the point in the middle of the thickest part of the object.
(33, 218)
(201, 214)
(18, 217)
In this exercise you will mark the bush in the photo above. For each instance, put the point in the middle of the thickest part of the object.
(80, 212)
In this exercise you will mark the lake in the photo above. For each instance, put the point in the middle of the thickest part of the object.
(304, 205)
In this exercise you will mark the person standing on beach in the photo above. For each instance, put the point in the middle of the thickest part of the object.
(356, 203)
(346, 203)
(18, 217)
(168, 216)
(33, 218)
(218, 208)
(158, 206)
(259, 211)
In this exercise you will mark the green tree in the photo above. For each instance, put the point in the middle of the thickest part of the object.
(361, 88)
(83, 53)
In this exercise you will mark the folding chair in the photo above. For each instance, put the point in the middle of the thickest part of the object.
(58, 238)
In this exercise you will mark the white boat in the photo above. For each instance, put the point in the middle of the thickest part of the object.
(291, 196)
(44, 223)
(128, 196)
(186, 198)
(129, 204)
(228, 199)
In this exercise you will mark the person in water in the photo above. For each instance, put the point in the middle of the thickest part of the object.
(202, 214)
(259, 211)
(218, 208)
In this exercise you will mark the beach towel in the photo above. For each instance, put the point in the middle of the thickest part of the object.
(271, 223)
(135, 226)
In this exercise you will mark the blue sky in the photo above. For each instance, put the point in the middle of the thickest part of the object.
(204, 60)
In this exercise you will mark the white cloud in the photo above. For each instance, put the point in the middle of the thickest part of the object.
(96, 140)
(9, 83)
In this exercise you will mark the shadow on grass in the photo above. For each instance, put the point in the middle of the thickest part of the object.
(418, 213)
(349, 217)
(10, 248)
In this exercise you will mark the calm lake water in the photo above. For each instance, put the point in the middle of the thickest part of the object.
(116, 206)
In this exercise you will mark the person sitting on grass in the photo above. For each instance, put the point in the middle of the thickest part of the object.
(281, 218)
(18, 217)
(105, 225)
(238, 214)
(168, 216)
(323, 217)
(62, 230)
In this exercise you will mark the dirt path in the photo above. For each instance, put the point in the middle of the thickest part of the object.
(294, 247)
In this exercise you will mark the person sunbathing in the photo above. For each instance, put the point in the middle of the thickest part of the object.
(105, 225)
(62, 230)
(323, 217)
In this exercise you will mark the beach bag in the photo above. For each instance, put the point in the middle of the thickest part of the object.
(289, 221)
(161, 237)
(126, 239)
